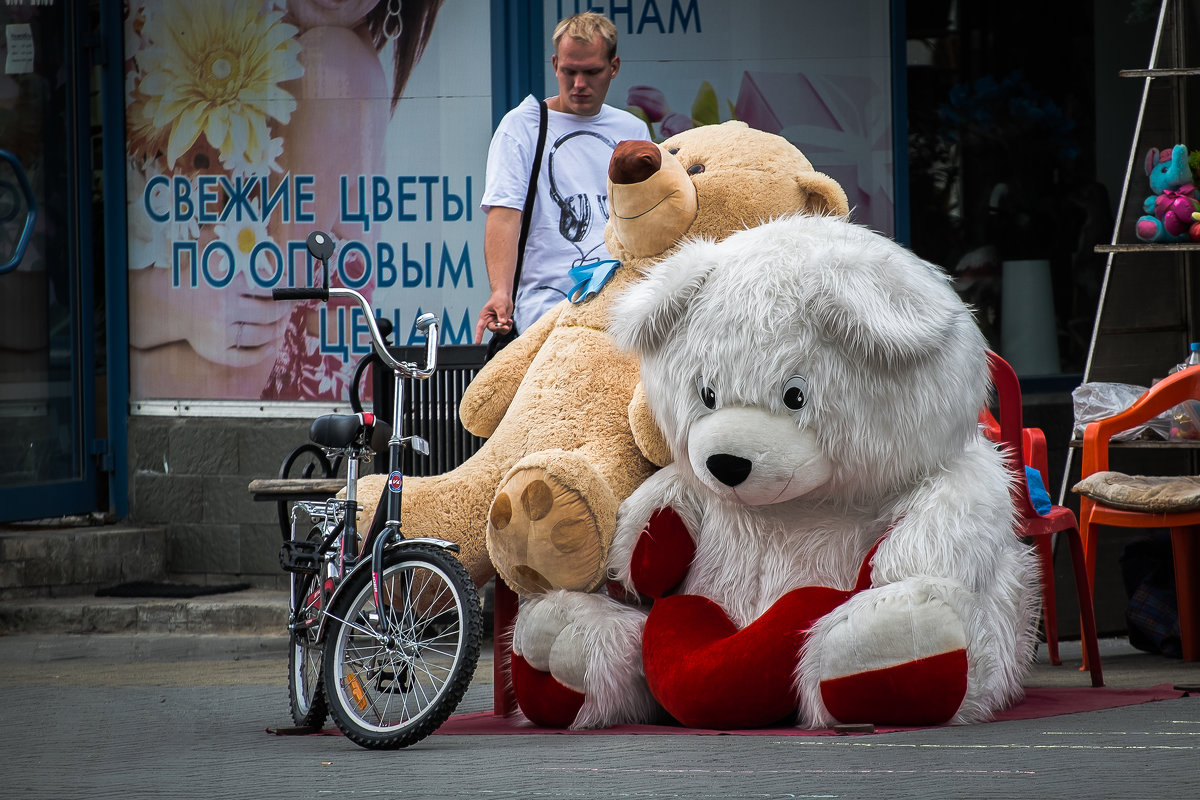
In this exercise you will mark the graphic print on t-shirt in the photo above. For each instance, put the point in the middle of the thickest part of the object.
(575, 208)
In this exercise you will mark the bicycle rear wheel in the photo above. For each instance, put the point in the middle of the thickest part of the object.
(391, 690)
(305, 694)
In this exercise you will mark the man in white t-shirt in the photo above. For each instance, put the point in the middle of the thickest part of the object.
(571, 206)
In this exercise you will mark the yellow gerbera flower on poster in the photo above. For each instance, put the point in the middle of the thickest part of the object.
(214, 67)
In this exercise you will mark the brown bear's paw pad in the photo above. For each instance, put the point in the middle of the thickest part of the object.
(537, 500)
(543, 535)
(501, 513)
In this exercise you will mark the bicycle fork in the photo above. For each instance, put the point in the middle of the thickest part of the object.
(378, 544)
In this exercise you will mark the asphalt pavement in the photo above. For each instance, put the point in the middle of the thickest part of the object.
(184, 715)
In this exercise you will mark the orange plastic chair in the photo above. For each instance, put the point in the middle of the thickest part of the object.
(1027, 447)
(1184, 525)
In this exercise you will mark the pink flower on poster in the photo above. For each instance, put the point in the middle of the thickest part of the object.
(650, 100)
(842, 123)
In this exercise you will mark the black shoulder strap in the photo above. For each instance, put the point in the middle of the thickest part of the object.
(527, 213)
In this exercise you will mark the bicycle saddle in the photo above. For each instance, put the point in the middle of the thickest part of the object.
(343, 430)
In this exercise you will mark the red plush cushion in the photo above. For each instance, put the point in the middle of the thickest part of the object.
(543, 700)
(662, 555)
(708, 674)
(925, 691)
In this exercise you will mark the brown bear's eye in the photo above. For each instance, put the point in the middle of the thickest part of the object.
(695, 169)
(674, 151)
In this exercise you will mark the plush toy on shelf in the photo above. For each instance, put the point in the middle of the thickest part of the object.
(1194, 230)
(1168, 212)
(833, 539)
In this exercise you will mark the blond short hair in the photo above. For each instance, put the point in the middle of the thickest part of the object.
(585, 27)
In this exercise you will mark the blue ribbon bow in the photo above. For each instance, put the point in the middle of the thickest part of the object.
(590, 278)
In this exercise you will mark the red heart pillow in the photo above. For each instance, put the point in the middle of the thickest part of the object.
(708, 674)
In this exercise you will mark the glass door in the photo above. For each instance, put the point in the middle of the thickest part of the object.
(47, 342)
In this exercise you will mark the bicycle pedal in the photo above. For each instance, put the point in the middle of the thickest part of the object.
(299, 557)
(391, 681)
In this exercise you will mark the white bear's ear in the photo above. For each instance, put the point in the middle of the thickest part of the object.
(892, 308)
(644, 315)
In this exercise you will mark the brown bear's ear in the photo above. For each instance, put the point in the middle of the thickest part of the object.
(823, 195)
(646, 313)
(646, 433)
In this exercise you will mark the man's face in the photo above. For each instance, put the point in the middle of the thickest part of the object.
(584, 72)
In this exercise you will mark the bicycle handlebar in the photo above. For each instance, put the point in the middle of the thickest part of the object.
(320, 246)
(300, 294)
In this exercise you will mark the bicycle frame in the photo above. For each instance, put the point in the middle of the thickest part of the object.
(336, 550)
(390, 535)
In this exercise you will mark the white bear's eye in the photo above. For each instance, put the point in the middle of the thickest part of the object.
(795, 392)
(707, 395)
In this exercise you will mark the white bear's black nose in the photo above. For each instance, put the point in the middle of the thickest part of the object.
(729, 470)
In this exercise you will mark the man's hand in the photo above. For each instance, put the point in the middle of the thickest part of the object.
(501, 233)
(495, 316)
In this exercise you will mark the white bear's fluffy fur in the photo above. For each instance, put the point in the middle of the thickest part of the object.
(892, 371)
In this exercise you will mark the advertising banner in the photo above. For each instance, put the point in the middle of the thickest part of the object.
(251, 123)
(818, 74)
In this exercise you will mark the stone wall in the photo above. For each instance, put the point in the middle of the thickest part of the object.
(189, 476)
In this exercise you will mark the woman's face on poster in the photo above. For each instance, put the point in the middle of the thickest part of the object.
(339, 13)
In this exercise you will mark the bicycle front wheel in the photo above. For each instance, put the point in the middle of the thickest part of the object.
(390, 690)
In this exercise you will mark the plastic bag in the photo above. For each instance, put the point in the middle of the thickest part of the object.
(1093, 401)
(1185, 420)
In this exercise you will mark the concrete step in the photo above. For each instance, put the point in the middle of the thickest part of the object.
(257, 612)
(50, 572)
(77, 556)
(251, 611)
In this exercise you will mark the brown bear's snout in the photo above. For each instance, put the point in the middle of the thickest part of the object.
(633, 161)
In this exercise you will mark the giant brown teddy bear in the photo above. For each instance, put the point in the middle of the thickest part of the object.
(567, 440)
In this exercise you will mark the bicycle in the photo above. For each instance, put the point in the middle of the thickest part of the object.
(315, 564)
(385, 631)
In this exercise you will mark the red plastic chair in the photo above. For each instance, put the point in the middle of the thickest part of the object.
(1027, 447)
(1184, 525)
(504, 614)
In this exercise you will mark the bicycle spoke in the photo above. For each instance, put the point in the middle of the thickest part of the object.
(355, 626)
(360, 657)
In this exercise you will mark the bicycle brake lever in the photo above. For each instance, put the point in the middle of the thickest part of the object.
(417, 443)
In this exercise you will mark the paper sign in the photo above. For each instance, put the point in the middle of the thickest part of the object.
(20, 48)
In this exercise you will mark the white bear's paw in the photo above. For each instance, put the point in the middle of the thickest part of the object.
(551, 524)
(891, 657)
(576, 662)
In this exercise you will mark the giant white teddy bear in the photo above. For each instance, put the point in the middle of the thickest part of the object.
(834, 539)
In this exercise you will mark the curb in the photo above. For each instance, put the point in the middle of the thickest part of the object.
(252, 611)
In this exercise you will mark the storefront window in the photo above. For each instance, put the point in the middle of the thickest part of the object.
(1018, 142)
(41, 419)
